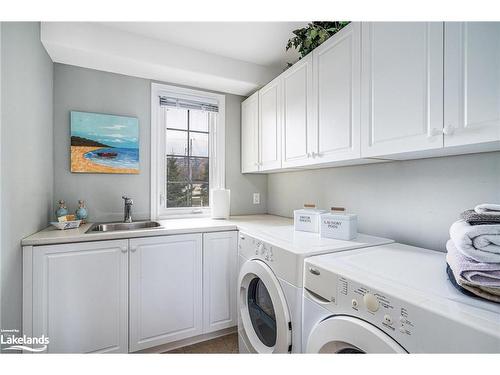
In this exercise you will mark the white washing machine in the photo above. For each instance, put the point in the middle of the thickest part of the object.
(392, 299)
(270, 285)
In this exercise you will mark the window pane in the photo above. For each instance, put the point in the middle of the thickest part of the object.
(199, 195)
(178, 194)
(177, 169)
(198, 120)
(199, 169)
(199, 144)
(177, 142)
(177, 118)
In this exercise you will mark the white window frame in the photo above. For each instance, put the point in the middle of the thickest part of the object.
(217, 164)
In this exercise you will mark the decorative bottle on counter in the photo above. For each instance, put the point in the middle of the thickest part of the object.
(62, 210)
(81, 212)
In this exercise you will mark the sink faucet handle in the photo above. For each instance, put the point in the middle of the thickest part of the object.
(127, 200)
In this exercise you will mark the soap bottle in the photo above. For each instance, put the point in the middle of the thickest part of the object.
(62, 210)
(81, 212)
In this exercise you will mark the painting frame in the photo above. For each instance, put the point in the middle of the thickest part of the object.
(104, 143)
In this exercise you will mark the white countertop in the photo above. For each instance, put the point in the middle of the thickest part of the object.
(249, 223)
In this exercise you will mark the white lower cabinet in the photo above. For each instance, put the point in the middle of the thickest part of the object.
(128, 295)
(80, 297)
(219, 280)
(165, 289)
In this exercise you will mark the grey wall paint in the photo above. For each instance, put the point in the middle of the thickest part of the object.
(412, 202)
(26, 153)
(96, 91)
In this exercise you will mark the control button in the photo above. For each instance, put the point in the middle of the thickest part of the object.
(371, 302)
(388, 319)
(354, 303)
(402, 329)
(402, 319)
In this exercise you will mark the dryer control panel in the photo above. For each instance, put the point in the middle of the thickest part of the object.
(341, 295)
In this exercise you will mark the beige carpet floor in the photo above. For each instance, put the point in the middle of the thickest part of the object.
(221, 345)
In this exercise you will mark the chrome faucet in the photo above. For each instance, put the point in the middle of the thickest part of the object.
(127, 212)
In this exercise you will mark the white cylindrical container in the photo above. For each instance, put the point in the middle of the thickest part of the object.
(339, 225)
(307, 219)
(220, 203)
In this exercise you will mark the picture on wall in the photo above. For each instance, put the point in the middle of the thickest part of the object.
(103, 143)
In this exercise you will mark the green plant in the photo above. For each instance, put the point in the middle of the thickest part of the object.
(316, 32)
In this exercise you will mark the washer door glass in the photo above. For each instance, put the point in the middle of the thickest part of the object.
(261, 310)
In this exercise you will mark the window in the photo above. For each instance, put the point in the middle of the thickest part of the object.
(187, 144)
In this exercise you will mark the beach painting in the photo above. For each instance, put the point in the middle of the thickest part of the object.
(103, 143)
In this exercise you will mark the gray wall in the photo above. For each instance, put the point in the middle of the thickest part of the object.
(96, 91)
(412, 202)
(26, 153)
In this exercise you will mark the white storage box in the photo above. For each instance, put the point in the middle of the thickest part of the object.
(339, 225)
(307, 219)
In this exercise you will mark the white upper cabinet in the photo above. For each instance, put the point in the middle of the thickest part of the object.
(165, 289)
(250, 134)
(220, 268)
(270, 126)
(80, 296)
(402, 87)
(472, 83)
(299, 133)
(336, 83)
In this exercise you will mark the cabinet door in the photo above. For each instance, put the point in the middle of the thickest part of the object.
(270, 125)
(299, 132)
(80, 296)
(402, 87)
(337, 74)
(472, 83)
(219, 280)
(165, 289)
(250, 134)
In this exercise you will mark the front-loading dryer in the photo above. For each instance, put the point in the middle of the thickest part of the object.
(270, 285)
(392, 299)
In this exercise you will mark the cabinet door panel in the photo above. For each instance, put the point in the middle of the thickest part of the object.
(165, 289)
(80, 296)
(402, 87)
(249, 134)
(299, 132)
(270, 126)
(337, 73)
(219, 280)
(472, 82)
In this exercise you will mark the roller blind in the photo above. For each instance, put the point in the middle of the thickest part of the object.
(186, 102)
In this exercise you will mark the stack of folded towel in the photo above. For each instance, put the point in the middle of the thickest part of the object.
(474, 252)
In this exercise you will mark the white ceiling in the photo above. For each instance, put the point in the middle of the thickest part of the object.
(261, 43)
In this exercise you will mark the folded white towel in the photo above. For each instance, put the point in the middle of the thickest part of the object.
(478, 242)
(488, 209)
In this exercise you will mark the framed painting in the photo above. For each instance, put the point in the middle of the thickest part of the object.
(103, 143)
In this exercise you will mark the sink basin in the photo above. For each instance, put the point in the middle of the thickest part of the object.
(113, 227)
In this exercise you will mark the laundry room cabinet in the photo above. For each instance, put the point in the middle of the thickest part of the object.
(270, 120)
(402, 87)
(250, 134)
(220, 271)
(128, 295)
(336, 97)
(165, 289)
(472, 83)
(79, 296)
(298, 121)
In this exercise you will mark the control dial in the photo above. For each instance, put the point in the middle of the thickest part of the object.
(371, 302)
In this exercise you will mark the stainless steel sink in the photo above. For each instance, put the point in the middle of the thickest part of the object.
(113, 227)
